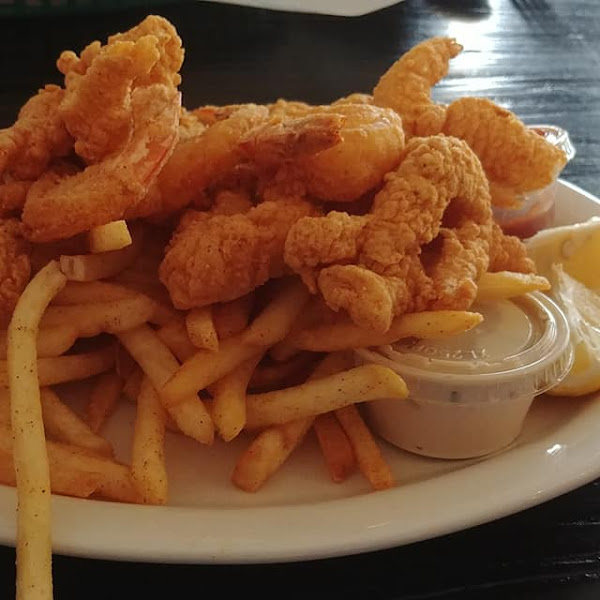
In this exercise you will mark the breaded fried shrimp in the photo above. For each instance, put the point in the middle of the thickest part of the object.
(406, 85)
(61, 206)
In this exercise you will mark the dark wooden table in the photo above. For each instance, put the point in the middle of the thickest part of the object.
(541, 58)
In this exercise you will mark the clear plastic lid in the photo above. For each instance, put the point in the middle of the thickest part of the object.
(557, 136)
(521, 348)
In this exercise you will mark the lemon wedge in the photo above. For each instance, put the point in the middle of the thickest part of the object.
(568, 257)
(575, 247)
(581, 305)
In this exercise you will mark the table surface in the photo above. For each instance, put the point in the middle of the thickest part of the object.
(541, 59)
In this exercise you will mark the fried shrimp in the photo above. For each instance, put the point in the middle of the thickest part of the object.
(37, 137)
(422, 247)
(406, 85)
(96, 108)
(516, 159)
(169, 44)
(199, 162)
(60, 206)
(220, 257)
(371, 144)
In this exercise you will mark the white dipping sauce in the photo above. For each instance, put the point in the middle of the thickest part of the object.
(470, 393)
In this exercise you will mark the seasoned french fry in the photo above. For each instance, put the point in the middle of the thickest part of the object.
(201, 329)
(74, 472)
(33, 544)
(94, 318)
(112, 236)
(336, 448)
(369, 457)
(159, 364)
(229, 399)
(103, 400)
(272, 446)
(148, 467)
(51, 341)
(231, 318)
(175, 336)
(86, 292)
(62, 424)
(360, 384)
(508, 284)
(204, 368)
(89, 267)
(267, 453)
(346, 335)
(70, 367)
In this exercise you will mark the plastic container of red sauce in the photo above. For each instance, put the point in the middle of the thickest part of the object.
(535, 210)
(469, 394)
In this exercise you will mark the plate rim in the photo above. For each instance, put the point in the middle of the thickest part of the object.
(346, 526)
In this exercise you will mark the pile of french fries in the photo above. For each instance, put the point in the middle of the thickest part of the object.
(267, 364)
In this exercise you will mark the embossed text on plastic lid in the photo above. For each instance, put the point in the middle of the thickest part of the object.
(469, 393)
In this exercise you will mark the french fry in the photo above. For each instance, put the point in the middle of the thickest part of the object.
(175, 336)
(336, 448)
(201, 329)
(70, 367)
(272, 446)
(204, 368)
(369, 457)
(103, 400)
(112, 236)
(90, 267)
(64, 425)
(88, 292)
(94, 318)
(33, 544)
(74, 472)
(231, 318)
(148, 467)
(229, 399)
(508, 284)
(360, 384)
(267, 453)
(346, 335)
(51, 341)
(159, 364)
(92, 292)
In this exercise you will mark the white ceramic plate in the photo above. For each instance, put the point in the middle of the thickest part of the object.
(300, 514)
(340, 8)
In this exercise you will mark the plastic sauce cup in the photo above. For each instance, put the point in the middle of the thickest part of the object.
(536, 209)
(469, 394)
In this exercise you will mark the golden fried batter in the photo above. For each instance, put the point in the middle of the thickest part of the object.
(516, 159)
(37, 137)
(15, 267)
(406, 85)
(423, 246)
(216, 258)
